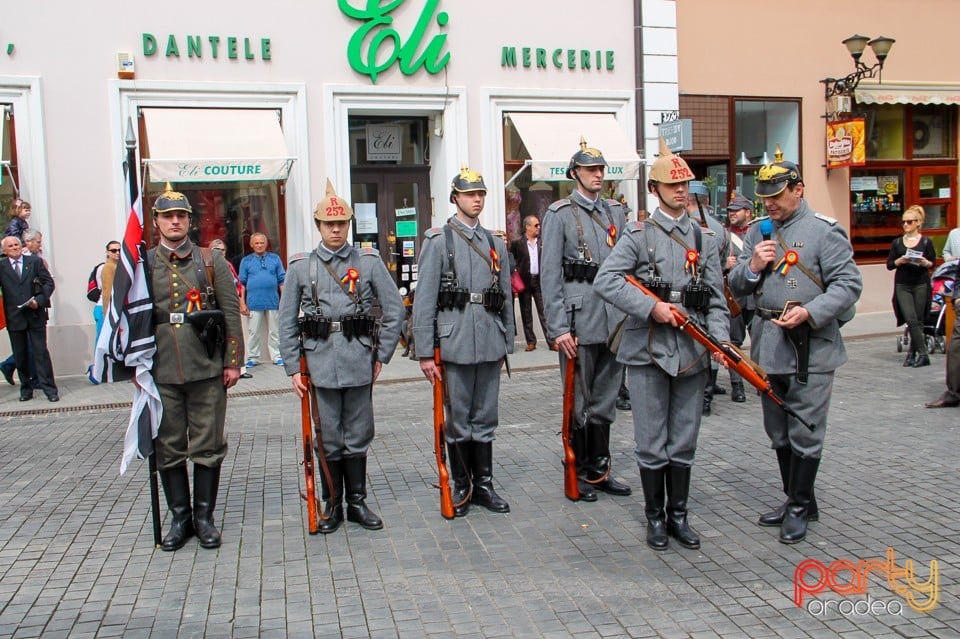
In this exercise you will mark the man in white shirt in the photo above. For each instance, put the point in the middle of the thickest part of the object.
(525, 251)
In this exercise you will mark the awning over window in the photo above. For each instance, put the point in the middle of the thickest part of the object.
(552, 138)
(215, 145)
(908, 94)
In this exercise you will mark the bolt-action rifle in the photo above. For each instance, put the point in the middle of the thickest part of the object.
(306, 428)
(570, 487)
(439, 426)
(733, 358)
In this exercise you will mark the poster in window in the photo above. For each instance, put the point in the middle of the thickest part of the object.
(846, 143)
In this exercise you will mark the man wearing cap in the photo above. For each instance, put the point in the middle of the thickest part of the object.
(739, 213)
(464, 302)
(673, 255)
(579, 233)
(698, 199)
(799, 267)
(192, 372)
(337, 287)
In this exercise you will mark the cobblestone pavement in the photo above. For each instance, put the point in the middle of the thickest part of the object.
(77, 559)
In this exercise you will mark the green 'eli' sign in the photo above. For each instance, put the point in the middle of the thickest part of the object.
(376, 46)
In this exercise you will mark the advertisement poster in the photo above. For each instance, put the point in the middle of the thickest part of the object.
(846, 145)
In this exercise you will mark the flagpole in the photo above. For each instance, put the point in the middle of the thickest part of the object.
(131, 168)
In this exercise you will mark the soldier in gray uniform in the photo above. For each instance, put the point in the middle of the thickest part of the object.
(697, 197)
(578, 235)
(192, 368)
(799, 266)
(464, 299)
(337, 287)
(665, 367)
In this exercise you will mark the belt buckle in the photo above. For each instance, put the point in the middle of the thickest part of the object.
(476, 298)
(176, 318)
(335, 327)
(675, 296)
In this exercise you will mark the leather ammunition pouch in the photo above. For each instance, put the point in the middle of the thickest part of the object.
(696, 295)
(661, 288)
(580, 270)
(211, 328)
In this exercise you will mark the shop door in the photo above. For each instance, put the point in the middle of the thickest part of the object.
(391, 212)
(932, 188)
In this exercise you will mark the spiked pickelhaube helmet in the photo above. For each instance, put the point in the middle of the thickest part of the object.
(170, 200)
(466, 181)
(669, 168)
(586, 156)
(332, 208)
(773, 178)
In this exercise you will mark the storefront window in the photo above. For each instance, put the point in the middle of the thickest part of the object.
(382, 140)
(231, 212)
(760, 125)
(8, 156)
(911, 159)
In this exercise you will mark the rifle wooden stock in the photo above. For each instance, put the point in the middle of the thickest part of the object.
(733, 358)
(439, 426)
(570, 487)
(306, 427)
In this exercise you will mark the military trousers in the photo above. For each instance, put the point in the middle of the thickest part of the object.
(811, 401)
(666, 415)
(738, 333)
(192, 425)
(596, 390)
(346, 420)
(473, 396)
(953, 362)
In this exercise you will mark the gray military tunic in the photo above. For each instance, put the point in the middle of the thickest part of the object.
(341, 370)
(474, 340)
(595, 320)
(666, 368)
(823, 248)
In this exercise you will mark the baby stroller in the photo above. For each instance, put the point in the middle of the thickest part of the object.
(942, 283)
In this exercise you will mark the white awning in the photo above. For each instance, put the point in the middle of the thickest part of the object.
(215, 145)
(552, 138)
(908, 94)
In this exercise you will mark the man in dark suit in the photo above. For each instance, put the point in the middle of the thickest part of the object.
(526, 260)
(27, 286)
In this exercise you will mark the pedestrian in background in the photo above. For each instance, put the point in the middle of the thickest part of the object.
(261, 276)
(219, 245)
(525, 251)
(19, 220)
(739, 214)
(911, 256)
(799, 266)
(96, 285)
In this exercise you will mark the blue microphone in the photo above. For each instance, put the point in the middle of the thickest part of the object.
(766, 230)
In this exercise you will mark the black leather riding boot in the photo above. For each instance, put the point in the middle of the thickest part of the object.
(737, 393)
(708, 394)
(332, 497)
(652, 482)
(206, 483)
(678, 490)
(355, 475)
(176, 488)
(712, 383)
(460, 458)
(483, 492)
(775, 516)
(598, 463)
(582, 452)
(803, 474)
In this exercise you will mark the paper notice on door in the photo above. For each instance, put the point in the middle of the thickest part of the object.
(406, 212)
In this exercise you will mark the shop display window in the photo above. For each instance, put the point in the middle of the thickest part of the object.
(911, 159)
(231, 212)
(8, 154)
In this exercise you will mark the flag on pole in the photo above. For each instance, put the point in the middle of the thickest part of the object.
(127, 344)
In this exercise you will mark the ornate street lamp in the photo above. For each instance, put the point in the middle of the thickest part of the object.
(855, 45)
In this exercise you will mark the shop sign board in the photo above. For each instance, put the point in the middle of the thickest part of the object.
(376, 46)
(383, 142)
(678, 134)
(197, 46)
(846, 143)
(559, 58)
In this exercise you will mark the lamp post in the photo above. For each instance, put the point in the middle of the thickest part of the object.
(855, 45)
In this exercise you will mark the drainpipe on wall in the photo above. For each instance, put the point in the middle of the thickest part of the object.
(638, 100)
